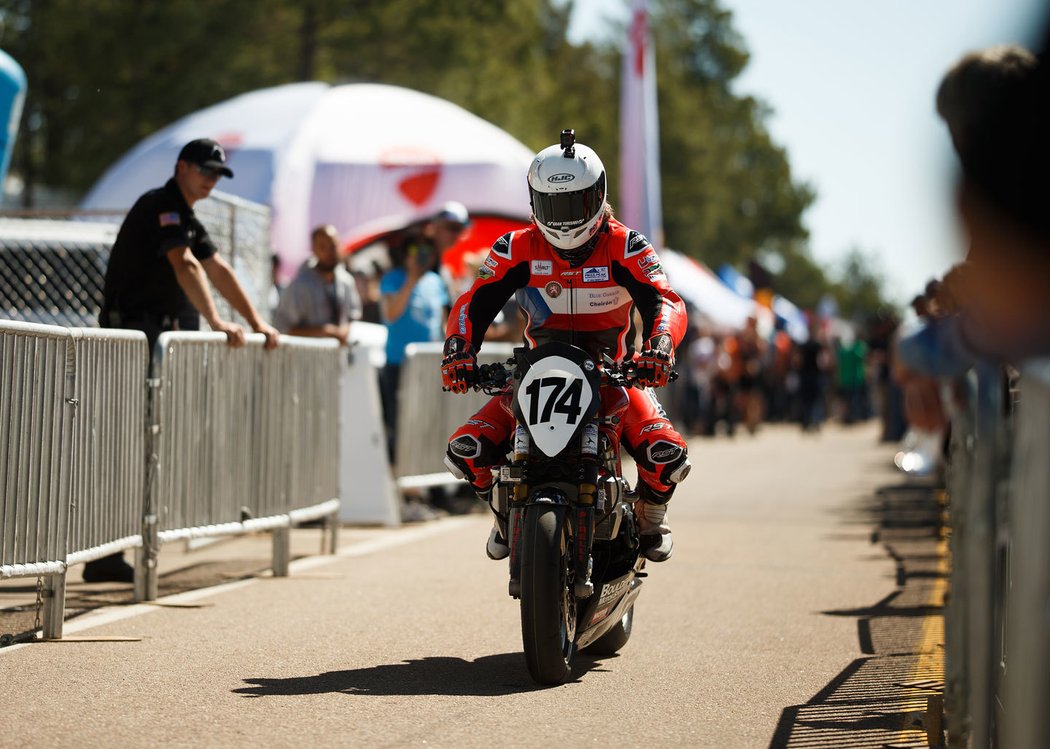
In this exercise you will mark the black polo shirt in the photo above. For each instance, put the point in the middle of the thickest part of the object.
(140, 281)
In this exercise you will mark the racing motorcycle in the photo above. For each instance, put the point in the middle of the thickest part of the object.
(563, 505)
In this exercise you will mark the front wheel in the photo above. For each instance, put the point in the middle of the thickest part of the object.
(548, 604)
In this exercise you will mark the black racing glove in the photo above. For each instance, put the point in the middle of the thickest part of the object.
(459, 367)
(653, 366)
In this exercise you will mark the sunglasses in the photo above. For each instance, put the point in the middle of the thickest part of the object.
(207, 171)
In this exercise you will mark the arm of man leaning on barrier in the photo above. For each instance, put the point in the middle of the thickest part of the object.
(190, 275)
(221, 274)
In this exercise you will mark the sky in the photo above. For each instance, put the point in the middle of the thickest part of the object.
(851, 84)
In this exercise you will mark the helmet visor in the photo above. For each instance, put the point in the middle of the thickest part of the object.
(565, 211)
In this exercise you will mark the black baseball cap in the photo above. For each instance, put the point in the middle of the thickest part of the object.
(206, 152)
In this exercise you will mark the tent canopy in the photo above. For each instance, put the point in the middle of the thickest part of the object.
(345, 155)
(704, 291)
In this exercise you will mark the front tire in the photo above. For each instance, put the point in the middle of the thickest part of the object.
(548, 604)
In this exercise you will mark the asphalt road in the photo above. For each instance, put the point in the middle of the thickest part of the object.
(407, 637)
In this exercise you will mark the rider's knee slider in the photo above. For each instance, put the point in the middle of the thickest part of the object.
(458, 468)
(675, 473)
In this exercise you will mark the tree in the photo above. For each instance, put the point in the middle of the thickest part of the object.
(728, 190)
(859, 287)
(103, 75)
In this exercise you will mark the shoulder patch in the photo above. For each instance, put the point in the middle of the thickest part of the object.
(502, 247)
(170, 219)
(636, 243)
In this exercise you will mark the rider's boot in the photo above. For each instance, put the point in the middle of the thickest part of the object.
(651, 511)
(496, 547)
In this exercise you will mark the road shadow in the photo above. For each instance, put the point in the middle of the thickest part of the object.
(19, 621)
(880, 700)
(488, 676)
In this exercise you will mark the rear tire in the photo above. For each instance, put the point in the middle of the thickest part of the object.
(548, 604)
(615, 638)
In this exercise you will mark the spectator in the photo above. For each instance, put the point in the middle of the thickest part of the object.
(701, 372)
(274, 296)
(812, 362)
(414, 301)
(322, 299)
(158, 273)
(995, 106)
(747, 350)
(852, 355)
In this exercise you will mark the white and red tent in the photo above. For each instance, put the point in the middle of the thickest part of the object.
(349, 155)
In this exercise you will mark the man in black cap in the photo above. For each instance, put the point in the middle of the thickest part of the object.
(158, 274)
(155, 280)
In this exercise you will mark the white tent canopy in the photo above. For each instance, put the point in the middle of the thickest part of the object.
(703, 290)
(346, 155)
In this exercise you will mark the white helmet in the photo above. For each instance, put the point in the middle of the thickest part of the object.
(567, 192)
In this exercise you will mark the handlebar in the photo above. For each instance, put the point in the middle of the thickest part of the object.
(493, 378)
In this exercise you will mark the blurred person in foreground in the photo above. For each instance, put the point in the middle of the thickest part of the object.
(992, 305)
(158, 277)
(322, 300)
(579, 274)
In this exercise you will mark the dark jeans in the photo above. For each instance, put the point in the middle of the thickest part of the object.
(152, 325)
(389, 381)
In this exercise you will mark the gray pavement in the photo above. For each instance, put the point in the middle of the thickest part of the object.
(778, 622)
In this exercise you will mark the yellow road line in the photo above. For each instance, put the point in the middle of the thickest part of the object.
(930, 664)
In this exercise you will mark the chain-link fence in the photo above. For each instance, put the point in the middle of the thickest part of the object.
(52, 263)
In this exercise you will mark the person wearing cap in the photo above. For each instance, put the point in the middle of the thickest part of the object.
(161, 262)
(158, 274)
(414, 300)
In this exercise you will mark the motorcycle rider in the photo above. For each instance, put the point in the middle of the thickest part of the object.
(578, 274)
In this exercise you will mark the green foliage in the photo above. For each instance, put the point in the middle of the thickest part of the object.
(103, 74)
(859, 289)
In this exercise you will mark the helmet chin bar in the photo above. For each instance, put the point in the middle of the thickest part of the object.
(578, 253)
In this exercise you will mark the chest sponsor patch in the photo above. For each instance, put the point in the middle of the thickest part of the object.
(542, 268)
(607, 298)
(596, 274)
(170, 219)
(553, 289)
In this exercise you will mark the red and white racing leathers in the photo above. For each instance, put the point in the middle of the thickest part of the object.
(589, 306)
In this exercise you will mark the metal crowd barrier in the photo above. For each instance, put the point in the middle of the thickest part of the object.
(997, 648)
(241, 440)
(1026, 703)
(427, 416)
(72, 405)
(95, 458)
(976, 480)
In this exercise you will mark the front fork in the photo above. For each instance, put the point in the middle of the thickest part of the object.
(513, 477)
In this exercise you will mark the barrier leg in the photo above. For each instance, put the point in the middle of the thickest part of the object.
(282, 550)
(330, 537)
(146, 584)
(54, 606)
